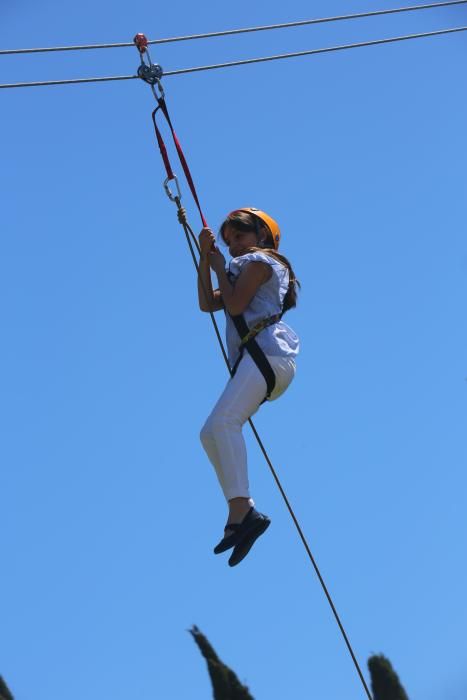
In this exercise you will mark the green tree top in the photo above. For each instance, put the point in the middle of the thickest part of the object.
(385, 682)
(225, 683)
(5, 693)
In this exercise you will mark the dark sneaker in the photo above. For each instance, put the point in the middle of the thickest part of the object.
(240, 530)
(258, 524)
(228, 541)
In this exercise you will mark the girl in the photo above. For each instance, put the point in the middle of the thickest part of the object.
(258, 286)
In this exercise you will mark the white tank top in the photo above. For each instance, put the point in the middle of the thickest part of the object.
(276, 340)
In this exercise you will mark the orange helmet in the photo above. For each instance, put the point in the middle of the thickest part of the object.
(272, 225)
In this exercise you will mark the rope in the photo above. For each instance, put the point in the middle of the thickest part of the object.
(247, 61)
(302, 23)
(189, 232)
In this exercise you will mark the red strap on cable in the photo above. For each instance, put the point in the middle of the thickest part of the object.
(181, 155)
(162, 148)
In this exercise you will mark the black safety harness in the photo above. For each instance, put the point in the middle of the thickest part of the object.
(248, 342)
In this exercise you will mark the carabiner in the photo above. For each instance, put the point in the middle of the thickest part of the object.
(161, 94)
(169, 192)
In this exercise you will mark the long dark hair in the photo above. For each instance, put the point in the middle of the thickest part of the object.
(244, 221)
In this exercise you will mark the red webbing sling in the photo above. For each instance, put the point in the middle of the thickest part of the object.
(239, 322)
(163, 107)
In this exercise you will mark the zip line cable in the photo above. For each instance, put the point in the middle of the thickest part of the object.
(181, 71)
(73, 81)
(229, 32)
(312, 52)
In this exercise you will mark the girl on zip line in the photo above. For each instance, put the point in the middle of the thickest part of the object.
(255, 290)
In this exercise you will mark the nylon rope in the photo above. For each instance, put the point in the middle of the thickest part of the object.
(189, 232)
(228, 32)
(181, 71)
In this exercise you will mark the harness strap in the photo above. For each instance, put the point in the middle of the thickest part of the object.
(256, 353)
(258, 327)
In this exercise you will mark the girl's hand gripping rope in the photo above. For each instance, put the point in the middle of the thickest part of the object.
(209, 250)
(207, 242)
(217, 261)
(209, 299)
(181, 213)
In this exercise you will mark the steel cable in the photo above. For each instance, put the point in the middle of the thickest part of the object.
(229, 32)
(311, 52)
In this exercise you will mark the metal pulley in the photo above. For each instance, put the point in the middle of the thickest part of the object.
(141, 42)
(151, 73)
(148, 71)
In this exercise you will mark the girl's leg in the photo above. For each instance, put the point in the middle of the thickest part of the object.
(222, 436)
(284, 369)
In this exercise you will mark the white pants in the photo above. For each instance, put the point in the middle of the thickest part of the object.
(222, 436)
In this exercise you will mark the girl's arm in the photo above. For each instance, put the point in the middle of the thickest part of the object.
(236, 297)
(233, 297)
(208, 299)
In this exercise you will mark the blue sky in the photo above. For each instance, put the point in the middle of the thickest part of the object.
(109, 506)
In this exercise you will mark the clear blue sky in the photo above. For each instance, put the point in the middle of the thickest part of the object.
(109, 506)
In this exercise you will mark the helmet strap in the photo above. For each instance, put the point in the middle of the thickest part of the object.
(261, 241)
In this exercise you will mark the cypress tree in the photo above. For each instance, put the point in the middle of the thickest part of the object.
(385, 682)
(225, 683)
(5, 693)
